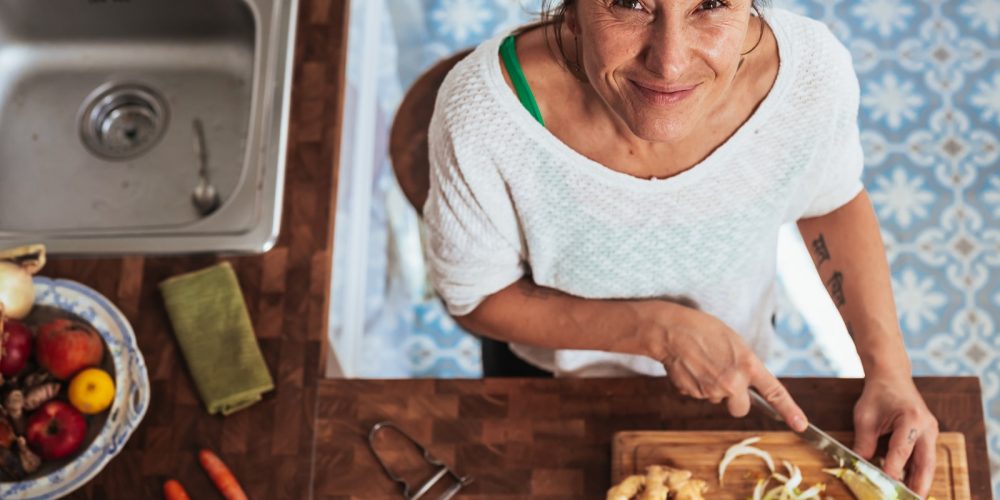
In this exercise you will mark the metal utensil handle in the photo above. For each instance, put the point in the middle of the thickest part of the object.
(200, 148)
(443, 470)
(762, 403)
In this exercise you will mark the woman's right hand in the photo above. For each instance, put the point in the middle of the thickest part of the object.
(706, 359)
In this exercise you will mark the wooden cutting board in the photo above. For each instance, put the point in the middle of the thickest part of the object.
(701, 451)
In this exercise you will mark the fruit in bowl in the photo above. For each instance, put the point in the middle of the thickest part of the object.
(91, 391)
(55, 395)
(15, 348)
(56, 430)
(70, 337)
(66, 346)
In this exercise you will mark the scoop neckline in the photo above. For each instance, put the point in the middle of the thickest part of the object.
(541, 135)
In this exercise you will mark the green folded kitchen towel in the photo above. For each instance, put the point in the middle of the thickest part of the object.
(213, 327)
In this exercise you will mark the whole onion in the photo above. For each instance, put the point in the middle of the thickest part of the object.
(17, 293)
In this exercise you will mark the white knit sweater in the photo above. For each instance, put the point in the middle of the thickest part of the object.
(507, 197)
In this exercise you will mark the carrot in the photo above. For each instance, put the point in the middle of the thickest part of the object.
(224, 480)
(172, 490)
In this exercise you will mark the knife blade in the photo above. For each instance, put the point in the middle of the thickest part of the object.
(839, 452)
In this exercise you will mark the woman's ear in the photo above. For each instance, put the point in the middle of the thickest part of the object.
(570, 19)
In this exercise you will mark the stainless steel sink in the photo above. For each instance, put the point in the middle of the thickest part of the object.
(98, 102)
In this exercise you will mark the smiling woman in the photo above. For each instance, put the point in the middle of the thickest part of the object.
(614, 35)
(606, 192)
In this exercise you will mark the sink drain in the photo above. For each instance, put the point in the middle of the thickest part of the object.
(121, 121)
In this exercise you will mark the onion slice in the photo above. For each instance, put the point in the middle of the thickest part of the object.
(740, 449)
(758, 491)
(812, 492)
(794, 477)
(787, 489)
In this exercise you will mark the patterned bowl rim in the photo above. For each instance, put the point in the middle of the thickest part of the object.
(127, 410)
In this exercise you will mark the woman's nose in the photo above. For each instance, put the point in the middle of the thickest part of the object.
(668, 50)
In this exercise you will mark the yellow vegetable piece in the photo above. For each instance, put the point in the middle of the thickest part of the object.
(860, 486)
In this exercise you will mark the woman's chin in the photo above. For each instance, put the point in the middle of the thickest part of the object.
(661, 129)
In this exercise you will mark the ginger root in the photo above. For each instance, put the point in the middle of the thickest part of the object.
(37, 396)
(659, 483)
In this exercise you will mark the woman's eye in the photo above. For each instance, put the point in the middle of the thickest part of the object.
(628, 4)
(712, 5)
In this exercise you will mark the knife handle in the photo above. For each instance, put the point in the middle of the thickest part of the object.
(757, 400)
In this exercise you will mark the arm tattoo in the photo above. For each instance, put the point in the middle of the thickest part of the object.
(821, 251)
(836, 287)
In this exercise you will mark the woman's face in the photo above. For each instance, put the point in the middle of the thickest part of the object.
(663, 66)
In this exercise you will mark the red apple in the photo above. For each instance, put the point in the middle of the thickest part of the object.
(15, 347)
(56, 430)
(64, 347)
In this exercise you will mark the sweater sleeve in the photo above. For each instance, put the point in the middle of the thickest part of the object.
(473, 242)
(838, 169)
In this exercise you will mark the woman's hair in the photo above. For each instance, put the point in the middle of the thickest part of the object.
(554, 14)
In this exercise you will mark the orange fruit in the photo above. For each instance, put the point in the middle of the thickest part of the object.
(91, 391)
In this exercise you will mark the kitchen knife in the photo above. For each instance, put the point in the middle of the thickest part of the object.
(840, 453)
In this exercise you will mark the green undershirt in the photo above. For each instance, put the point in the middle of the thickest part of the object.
(508, 54)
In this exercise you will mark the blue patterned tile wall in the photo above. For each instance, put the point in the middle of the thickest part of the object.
(930, 116)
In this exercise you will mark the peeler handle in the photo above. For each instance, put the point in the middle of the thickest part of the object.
(443, 470)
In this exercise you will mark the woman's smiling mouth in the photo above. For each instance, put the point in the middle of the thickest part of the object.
(659, 95)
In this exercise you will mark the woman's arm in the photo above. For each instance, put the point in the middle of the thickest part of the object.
(846, 247)
(704, 358)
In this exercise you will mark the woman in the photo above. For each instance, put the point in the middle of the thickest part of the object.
(606, 193)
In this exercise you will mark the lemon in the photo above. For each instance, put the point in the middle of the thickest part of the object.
(91, 391)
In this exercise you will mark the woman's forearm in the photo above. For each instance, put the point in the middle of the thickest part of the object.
(846, 247)
(703, 357)
(525, 313)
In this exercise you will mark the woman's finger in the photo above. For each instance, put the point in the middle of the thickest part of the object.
(904, 437)
(776, 394)
(865, 433)
(739, 404)
(684, 380)
(922, 466)
(733, 383)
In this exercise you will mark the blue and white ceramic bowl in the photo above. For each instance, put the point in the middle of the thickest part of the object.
(131, 389)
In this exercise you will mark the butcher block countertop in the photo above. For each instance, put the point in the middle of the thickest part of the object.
(308, 438)
(551, 438)
(270, 445)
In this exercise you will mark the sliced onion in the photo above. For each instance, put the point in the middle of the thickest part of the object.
(835, 472)
(774, 493)
(788, 487)
(794, 478)
(740, 449)
(758, 491)
(812, 493)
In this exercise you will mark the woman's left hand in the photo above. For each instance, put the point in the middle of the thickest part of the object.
(891, 404)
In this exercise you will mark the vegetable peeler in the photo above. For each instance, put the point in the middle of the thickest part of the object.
(442, 469)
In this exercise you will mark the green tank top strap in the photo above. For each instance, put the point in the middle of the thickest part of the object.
(509, 56)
